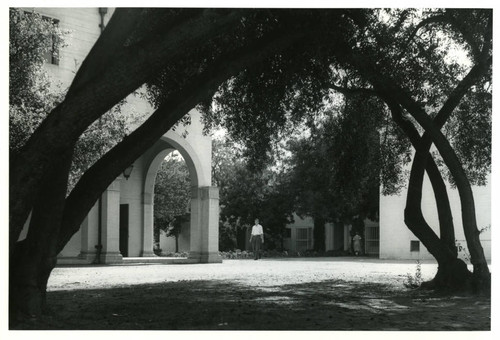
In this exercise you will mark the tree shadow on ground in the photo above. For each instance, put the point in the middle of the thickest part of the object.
(222, 305)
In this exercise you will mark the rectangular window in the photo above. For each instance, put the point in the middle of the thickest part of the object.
(414, 245)
(302, 234)
(288, 233)
(304, 239)
(52, 55)
(372, 240)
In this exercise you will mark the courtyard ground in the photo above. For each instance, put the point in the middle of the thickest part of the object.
(336, 293)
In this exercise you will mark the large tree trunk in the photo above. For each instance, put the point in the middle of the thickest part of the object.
(433, 134)
(452, 272)
(448, 267)
(413, 214)
(384, 84)
(481, 270)
(34, 258)
(422, 162)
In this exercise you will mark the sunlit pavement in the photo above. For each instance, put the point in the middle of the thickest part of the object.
(264, 272)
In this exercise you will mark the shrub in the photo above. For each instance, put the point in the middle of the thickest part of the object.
(415, 280)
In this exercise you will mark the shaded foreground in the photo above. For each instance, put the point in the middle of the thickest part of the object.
(225, 304)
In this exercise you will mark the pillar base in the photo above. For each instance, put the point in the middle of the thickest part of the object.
(87, 256)
(212, 257)
(148, 254)
(111, 257)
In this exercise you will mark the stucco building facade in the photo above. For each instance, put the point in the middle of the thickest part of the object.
(389, 237)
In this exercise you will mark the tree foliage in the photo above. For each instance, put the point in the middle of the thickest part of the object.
(172, 195)
(32, 94)
(246, 194)
(404, 44)
(336, 170)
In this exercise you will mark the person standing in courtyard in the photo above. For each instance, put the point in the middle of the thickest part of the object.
(357, 244)
(257, 239)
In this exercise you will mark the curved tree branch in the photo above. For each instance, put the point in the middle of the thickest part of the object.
(130, 69)
(414, 218)
(121, 25)
(416, 222)
(103, 172)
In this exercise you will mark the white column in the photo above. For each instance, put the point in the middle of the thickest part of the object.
(110, 218)
(195, 225)
(148, 220)
(89, 235)
(205, 225)
(329, 227)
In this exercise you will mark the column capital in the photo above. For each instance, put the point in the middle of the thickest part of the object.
(115, 185)
(147, 198)
(209, 192)
(195, 192)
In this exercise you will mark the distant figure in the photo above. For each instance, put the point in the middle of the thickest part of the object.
(257, 239)
(357, 244)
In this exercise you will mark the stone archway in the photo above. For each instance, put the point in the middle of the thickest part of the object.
(204, 218)
(131, 200)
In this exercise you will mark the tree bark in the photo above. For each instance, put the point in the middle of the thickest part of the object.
(414, 219)
(422, 162)
(478, 260)
(433, 135)
(34, 258)
(383, 84)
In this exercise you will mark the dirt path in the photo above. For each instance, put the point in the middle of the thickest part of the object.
(271, 294)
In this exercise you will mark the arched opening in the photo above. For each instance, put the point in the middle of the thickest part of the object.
(203, 207)
(124, 225)
(172, 207)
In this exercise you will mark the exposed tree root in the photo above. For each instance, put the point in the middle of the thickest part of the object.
(454, 277)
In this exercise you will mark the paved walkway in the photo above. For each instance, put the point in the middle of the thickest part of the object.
(264, 273)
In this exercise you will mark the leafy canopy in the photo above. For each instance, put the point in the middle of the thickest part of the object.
(424, 52)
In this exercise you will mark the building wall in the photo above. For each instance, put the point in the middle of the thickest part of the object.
(299, 223)
(337, 235)
(334, 235)
(83, 25)
(395, 237)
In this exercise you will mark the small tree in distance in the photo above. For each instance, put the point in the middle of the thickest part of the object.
(172, 196)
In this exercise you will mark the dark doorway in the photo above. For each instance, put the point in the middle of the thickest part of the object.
(124, 229)
(338, 236)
